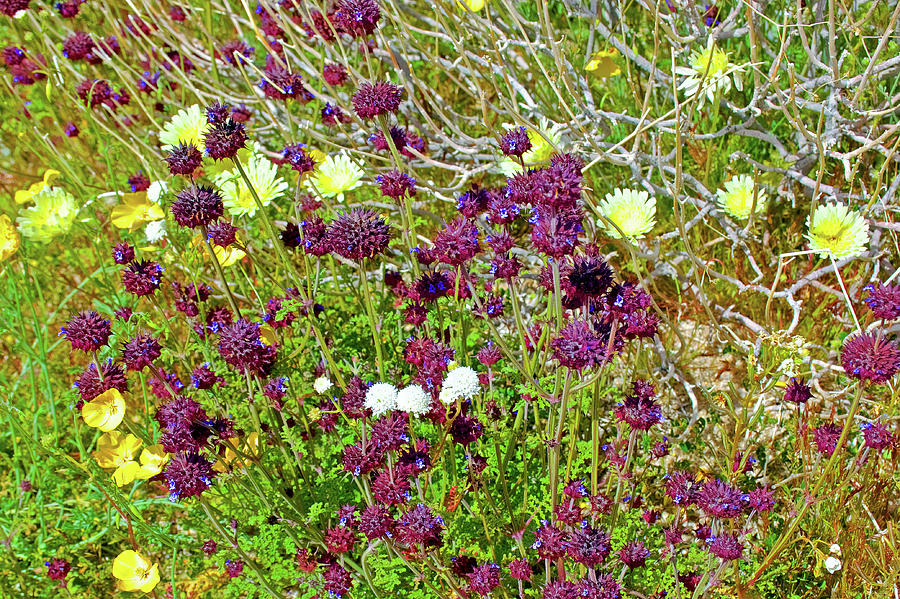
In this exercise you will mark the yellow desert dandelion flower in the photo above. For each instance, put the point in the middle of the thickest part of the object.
(835, 228)
(23, 196)
(737, 197)
(543, 145)
(52, 214)
(104, 411)
(710, 73)
(236, 194)
(188, 126)
(335, 175)
(634, 212)
(135, 572)
(9, 238)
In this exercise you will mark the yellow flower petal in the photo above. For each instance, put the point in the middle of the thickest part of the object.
(153, 459)
(152, 579)
(135, 573)
(26, 195)
(603, 65)
(126, 473)
(135, 210)
(105, 411)
(126, 562)
(228, 256)
(50, 176)
(9, 238)
(115, 449)
(267, 334)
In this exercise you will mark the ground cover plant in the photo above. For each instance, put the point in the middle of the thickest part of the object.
(459, 299)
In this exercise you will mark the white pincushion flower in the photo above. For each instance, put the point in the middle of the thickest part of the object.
(541, 149)
(381, 398)
(737, 197)
(634, 212)
(835, 228)
(413, 400)
(188, 126)
(832, 564)
(236, 194)
(156, 190)
(322, 384)
(460, 383)
(710, 73)
(335, 175)
(155, 231)
(835, 549)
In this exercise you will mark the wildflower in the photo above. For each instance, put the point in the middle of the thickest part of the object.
(870, 357)
(544, 141)
(381, 398)
(639, 412)
(241, 346)
(336, 175)
(883, 301)
(726, 547)
(210, 547)
(413, 400)
(322, 384)
(90, 385)
(832, 564)
(71, 130)
(155, 231)
(397, 185)
(797, 391)
(555, 231)
(234, 568)
(87, 331)
(419, 526)
(58, 569)
(718, 499)
(222, 233)
(135, 210)
(682, 487)
(876, 435)
(579, 347)
(142, 277)
(740, 196)
(188, 474)
(484, 579)
(94, 92)
(135, 572)
(357, 17)
(633, 212)
(834, 229)
(138, 182)
(188, 126)
(23, 196)
(337, 580)
(761, 499)
(551, 542)
(376, 522)
(710, 73)
(140, 351)
(302, 160)
(358, 234)
(603, 65)
(520, 569)
(334, 74)
(263, 176)
(105, 411)
(460, 383)
(115, 450)
(122, 253)
(634, 554)
(224, 139)
(184, 159)
(515, 142)
(197, 206)
(53, 213)
(826, 438)
(589, 546)
(372, 100)
(11, 8)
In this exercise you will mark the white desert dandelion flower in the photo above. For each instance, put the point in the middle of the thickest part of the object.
(737, 198)
(634, 212)
(188, 126)
(334, 176)
(413, 400)
(236, 193)
(322, 384)
(836, 228)
(710, 73)
(381, 398)
(460, 383)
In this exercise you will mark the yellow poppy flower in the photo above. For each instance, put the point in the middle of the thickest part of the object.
(135, 572)
(603, 65)
(115, 449)
(135, 210)
(9, 238)
(26, 195)
(473, 5)
(226, 256)
(249, 447)
(267, 334)
(105, 411)
(153, 459)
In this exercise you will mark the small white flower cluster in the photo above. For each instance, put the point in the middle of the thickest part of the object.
(384, 397)
(460, 383)
(322, 384)
(833, 562)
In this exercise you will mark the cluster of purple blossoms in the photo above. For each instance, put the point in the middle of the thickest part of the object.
(240, 346)
(358, 234)
(197, 206)
(87, 331)
(375, 99)
(870, 357)
(639, 410)
(188, 475)
(142, 277)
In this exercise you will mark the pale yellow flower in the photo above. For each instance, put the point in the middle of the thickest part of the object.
(334, 176)
(263, 176)
(188, 126)
(53, 213)
(135, 572)
(9, 238)
(710, 73)
(105, 411)
(135, 211)
(835, 229)
(737, 197)
(634, 212)
(602, 64)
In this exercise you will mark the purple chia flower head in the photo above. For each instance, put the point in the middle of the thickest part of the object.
(555, 231)
(515, 142)
(236, 52)
(605, 587)
(489, 354)
(177, 14)
(568, 512)
(472, 202)
(419, 526)
(484, 579)
(338, 581)
(314, 239)
(142, 277)
(217, 112)
(357, 17)
(339, 540)
(761, 499)
(224, 139)
(376, 522)
(57, 568)
(372, 100)
(275, 389)
(883, 301)
(358, 234)
(234, 568)
(78, 46)
(561, 589)
(826, 438)
(90, 384)
(390, 432)
(188, 475)
(520, 569)
(240, 346)
(94, 92)
(551, 542)
(222, 233)
(634, 554)
(797, 392)
(71, 130)
(68, 9)
(682, 488)
(298, 158)
(397, 185)
(241, 113)
(579, 347)
(87, 331)
(13, 56)
(589, 546)
(457, 243)
(197, 206)
(590, 277)
(575, 489)
(203, 377)
(184, 159)
(332, 115)
(638, 412)
(876, 435)
(726, 547)
(870, 357)
(140, 351)
(138, 182)
(210, 547)
(718, 499)
(711, 15)
(334, 74)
